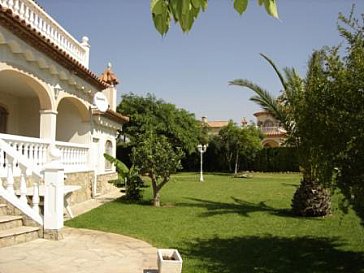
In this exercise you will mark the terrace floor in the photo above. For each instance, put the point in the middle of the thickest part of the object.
(82, 251)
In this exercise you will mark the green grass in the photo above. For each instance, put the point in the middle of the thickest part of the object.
(236, 225)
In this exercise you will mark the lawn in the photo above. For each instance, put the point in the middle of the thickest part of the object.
(236, 225)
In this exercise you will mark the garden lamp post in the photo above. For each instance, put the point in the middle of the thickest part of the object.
(201, 148)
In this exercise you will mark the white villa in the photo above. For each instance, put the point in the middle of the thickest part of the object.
(57, 118)
(274, 133)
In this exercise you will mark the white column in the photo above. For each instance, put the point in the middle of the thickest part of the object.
(53, 195)
(48, 125)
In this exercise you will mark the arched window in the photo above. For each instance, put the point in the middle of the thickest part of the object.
(3, 119)
(108, 150)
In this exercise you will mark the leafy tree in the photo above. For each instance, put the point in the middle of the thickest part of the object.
(236, 142)
(158, 159)
(185, 12)
(160, 135)
(164, 119)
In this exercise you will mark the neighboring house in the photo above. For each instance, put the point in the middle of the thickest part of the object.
(47, 110)
(274, 134)
(215, 125)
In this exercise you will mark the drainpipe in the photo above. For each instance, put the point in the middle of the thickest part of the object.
(94, 193)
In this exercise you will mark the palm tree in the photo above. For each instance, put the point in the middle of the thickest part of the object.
(310, 198)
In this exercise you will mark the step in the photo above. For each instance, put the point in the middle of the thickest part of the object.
(18, 235)
(8, 222)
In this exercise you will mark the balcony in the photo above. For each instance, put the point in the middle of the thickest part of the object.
(271, 131)
(34, 16)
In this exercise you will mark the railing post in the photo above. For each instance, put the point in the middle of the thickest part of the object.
(53, 195)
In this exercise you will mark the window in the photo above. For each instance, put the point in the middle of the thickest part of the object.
(3, 119)
(108, 150)
(268, 123)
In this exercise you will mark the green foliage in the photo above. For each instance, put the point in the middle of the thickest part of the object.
(164, 119)
(185, 12)
(278, 159)
(157, 158)
(121, 168)
(235, 143)
(128, 177)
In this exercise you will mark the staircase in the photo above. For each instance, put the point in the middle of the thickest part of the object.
(16, 228)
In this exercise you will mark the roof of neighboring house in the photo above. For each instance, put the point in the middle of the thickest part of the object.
(40, 42)
(217, 123)
(257, 114)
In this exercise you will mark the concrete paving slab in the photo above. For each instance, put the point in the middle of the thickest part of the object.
(82, 251)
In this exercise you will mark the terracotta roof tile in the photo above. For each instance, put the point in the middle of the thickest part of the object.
(217, 123)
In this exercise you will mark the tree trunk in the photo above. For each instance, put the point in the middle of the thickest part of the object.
(236, 162)
(156, 196)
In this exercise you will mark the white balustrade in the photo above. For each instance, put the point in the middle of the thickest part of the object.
(15, 192)
(74, 156)
(38, 19)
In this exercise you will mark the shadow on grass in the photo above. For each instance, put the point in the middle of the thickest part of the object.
(274, 255)
(238, 206)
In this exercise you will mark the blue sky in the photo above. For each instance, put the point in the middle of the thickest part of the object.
(193, 70)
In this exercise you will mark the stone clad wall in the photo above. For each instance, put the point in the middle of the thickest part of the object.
(85, 180)
(103, 185)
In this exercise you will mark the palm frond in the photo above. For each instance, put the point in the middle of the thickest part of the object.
(279, 74)
(263, 98)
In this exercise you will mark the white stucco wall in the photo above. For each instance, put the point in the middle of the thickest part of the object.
(23, 115)
(70, 126)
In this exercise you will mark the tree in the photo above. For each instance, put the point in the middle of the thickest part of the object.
(338, 98)
(295, 113)
(236, 142)
(164, 119)
(158, 159)
(185, 12)
(160, 135)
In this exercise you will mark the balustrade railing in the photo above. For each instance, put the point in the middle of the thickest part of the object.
(272, 129)
(74, 157)
(15, 192)
(38, 19)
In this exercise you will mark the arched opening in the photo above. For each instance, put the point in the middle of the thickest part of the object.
(270, 144)
(72, 121)
(22, 96)
(109, 151)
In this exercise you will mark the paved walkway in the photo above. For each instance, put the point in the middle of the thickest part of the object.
(81, 251)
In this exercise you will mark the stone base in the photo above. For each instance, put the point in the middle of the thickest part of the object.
(53, 234)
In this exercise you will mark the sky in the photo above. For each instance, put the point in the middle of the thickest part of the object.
(192, 70)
